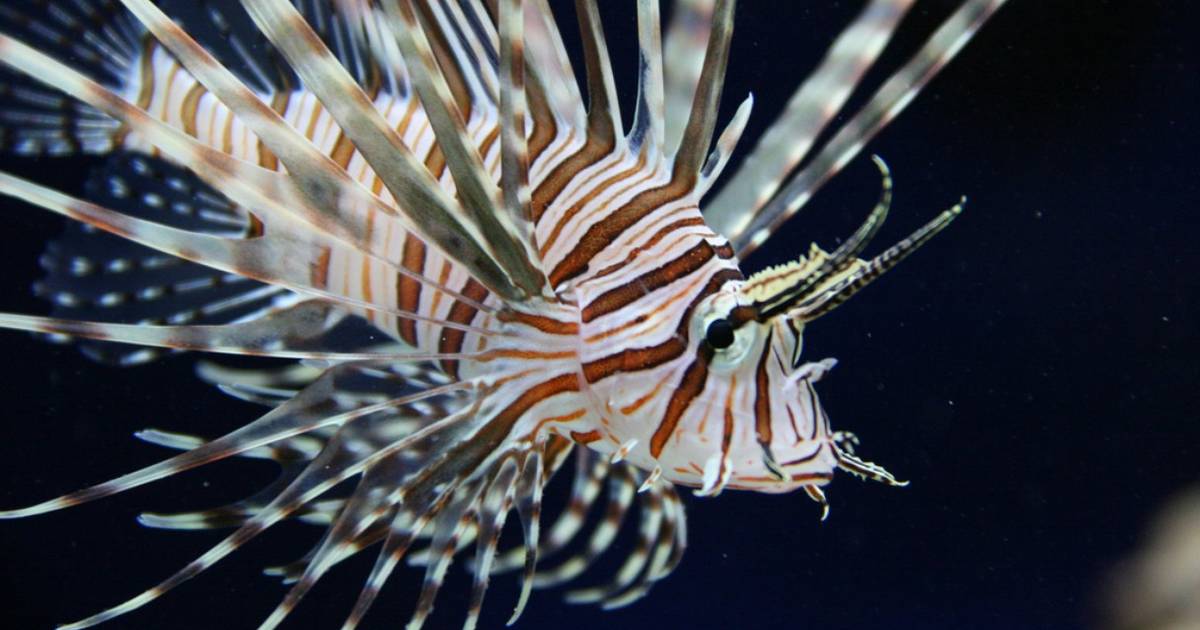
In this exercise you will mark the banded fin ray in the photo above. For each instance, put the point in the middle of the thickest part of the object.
(344, 206)
(480, 196)
(427, 205)
(344, 458)
(895, 94)
(247, 184)
(93, 275)
(684, 44)
(312, 409)
(814, 103)
(279, 257)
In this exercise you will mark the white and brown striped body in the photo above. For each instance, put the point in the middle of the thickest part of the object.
(634, 288)
(540, 279)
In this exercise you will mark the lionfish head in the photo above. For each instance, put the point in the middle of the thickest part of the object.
(779, 437)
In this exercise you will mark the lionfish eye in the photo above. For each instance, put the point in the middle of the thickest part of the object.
(719, 334)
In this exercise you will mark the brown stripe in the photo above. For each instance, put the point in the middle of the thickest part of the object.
(585, 438)
(191, 103)
(636, 359)
(408, 289)
(446, 59)
(645, 398)
(598, 190)
(619, 297)
(146, 92)
(592, 151)
(689, 388)
(662, 233)
(320, 269)
(227, 136)
(435, 161)
(488, 141)
(279, 103)
(820, 446)
(460, 313)
(343, 150)
(603, 233)
(659, 307)
(544, 126)
(544, 324)
(762, 396)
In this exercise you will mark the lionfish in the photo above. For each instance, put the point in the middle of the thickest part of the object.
(474, 272)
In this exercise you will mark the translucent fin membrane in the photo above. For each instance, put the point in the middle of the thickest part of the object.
(97, 36)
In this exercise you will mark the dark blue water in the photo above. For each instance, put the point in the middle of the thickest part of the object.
(1033, 371)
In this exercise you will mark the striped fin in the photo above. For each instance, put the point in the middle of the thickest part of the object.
(683, 57)
(479, 194)
(649, 119)
(279, 257)
(470, 34)
(448, 528)
(815, 102)
(724, 147)
(92, 275)
(590, 472)
(280, 334)
(257, 64)
(493, 513)
(335, 202)
(666, 554)
(345, 458)
(529, 510)
(443, 497)
(547, 56)
(271, 194)
(339, 541)
(886, 103)
(662, 538)
(306, 412)
(426, 204)
(651, 515)
(514, 150)
(604, 113)
(621, 490)
(702, 120)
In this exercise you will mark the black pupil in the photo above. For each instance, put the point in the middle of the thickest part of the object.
(720, 334)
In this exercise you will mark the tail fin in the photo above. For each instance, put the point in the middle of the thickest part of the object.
(97, 36)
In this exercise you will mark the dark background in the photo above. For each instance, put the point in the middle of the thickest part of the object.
(1033, 372)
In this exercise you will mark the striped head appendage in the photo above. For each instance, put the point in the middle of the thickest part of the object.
(475, 272)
